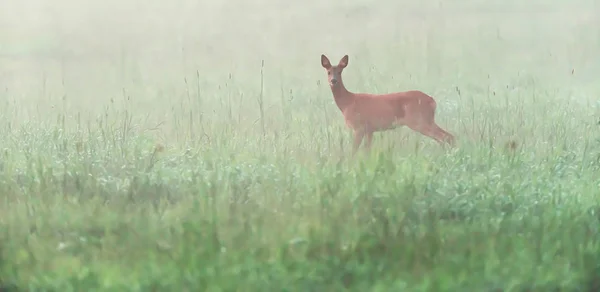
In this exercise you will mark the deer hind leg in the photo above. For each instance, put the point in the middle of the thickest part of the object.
(427, 126)
(427, 130)
(445, 136)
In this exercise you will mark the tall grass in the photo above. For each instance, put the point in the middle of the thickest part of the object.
(237, 176)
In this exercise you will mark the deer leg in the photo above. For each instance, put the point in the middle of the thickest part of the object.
(447, 137)
(369, 135)
(428, 131)
(426, 125)
(358, 137)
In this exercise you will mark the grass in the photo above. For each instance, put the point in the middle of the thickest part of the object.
(166, 165)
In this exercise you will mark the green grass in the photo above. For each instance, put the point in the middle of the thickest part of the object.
(168, 165)
(117, 215)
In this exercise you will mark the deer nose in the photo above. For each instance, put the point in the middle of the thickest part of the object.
(333, 81)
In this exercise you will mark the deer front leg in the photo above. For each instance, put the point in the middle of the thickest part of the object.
(358, 137)
(369, 137)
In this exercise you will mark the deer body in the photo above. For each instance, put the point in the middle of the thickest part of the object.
(368, 113)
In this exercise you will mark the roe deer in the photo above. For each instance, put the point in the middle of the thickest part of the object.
(368, 113)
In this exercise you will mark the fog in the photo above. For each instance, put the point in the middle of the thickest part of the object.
(83, 54)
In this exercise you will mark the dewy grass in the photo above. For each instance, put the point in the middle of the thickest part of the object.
(173, 166)
(122, 216)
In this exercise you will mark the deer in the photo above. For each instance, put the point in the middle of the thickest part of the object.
(367, 113)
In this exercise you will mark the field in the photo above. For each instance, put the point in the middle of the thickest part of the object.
(190, 146)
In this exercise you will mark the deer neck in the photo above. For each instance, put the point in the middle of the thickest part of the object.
(341, 95)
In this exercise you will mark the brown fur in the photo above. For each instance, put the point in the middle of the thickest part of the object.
(367, 113)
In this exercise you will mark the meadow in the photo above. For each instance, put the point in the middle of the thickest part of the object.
(189, 146)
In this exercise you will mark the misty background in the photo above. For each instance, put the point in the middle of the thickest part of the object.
(147, 56)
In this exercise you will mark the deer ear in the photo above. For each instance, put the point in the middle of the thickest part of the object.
(343, 62)
(325, 62)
